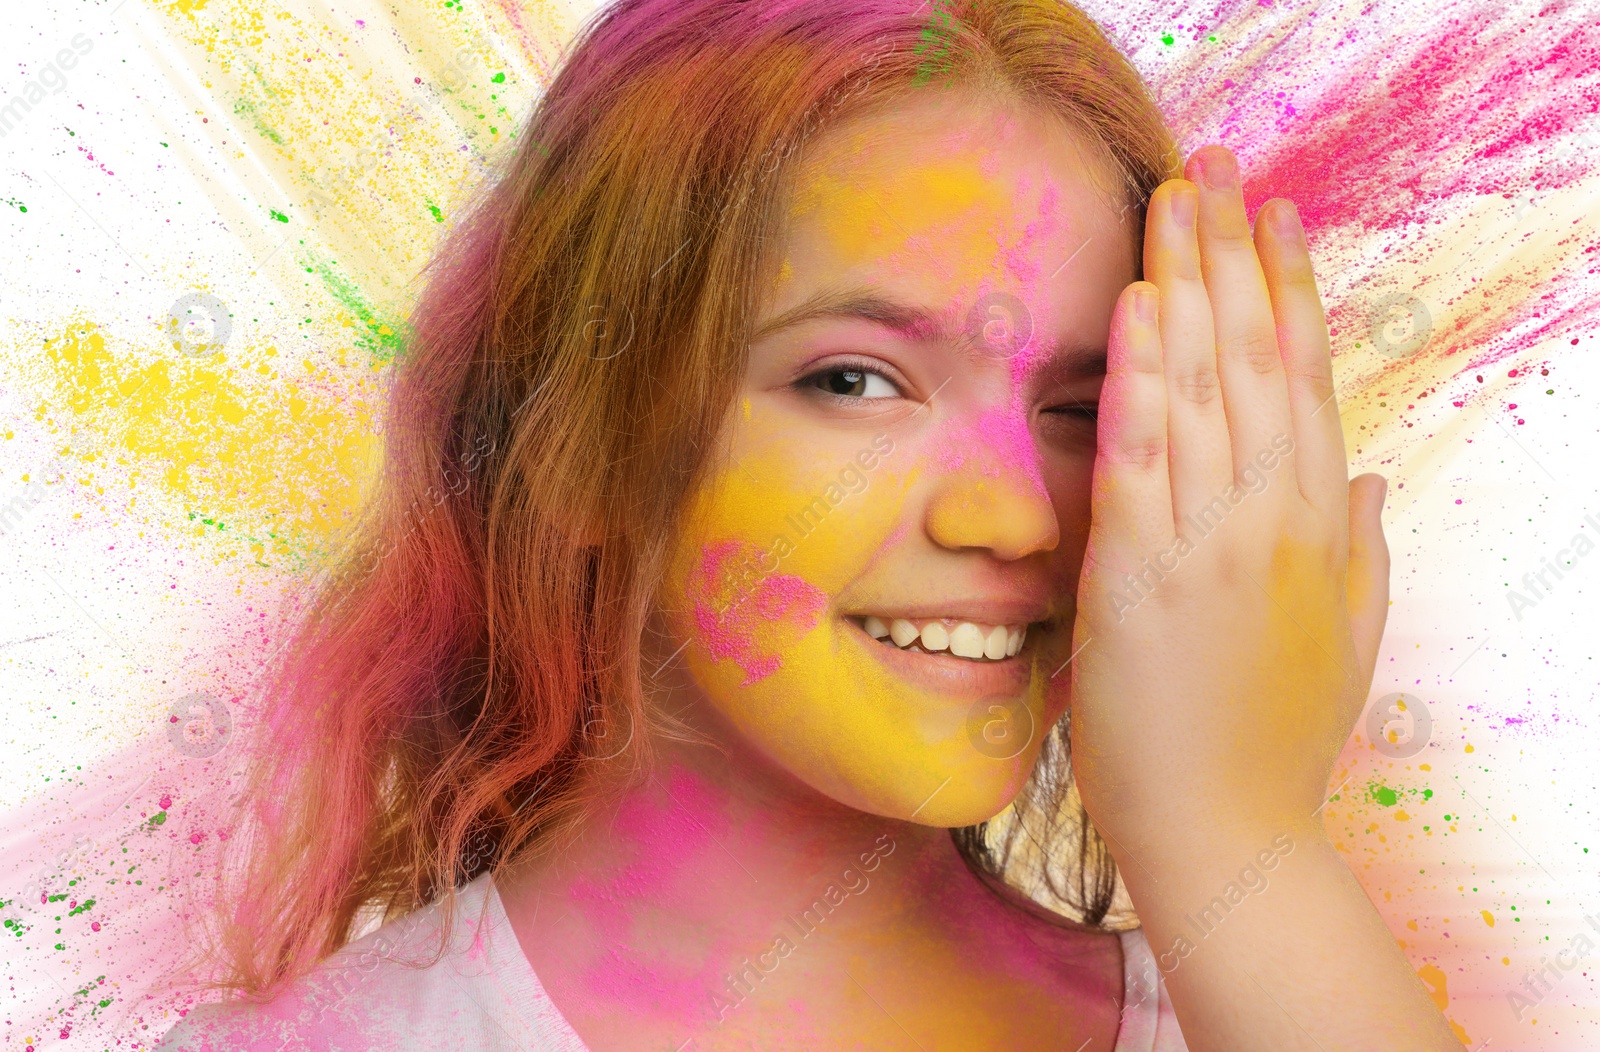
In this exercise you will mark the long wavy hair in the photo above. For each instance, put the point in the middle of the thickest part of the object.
(455, 685)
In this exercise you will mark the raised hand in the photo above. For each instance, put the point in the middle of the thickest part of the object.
(1231, 603)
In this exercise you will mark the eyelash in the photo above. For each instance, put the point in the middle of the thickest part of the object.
(1087, 412)
(808, 382)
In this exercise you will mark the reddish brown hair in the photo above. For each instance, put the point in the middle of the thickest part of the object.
(459, 676)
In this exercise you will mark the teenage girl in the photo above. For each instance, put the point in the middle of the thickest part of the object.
(835, 413)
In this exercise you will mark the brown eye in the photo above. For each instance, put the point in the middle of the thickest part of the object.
(853, 383)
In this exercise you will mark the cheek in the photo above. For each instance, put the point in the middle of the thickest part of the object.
(772, 542)
(752, 594)
(744, 611)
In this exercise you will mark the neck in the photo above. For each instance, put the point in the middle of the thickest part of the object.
(700, 867)
(718, 887)
(713, 829)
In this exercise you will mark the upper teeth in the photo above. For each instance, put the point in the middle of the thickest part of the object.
(961, 638)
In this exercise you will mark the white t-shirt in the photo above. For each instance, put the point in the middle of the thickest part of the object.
(482, 996)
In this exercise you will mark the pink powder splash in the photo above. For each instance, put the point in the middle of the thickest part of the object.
(734, 600)
(1407, 120)
(1001, 436)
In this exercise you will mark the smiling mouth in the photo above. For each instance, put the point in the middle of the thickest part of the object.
(946, 635)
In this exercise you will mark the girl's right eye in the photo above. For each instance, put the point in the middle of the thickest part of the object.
(850, 381)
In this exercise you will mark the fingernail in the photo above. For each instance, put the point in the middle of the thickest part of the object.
(1285, 220)
(1220, 171)
(1146, 304)
(1184, 204)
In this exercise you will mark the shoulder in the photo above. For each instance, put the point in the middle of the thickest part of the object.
(382, 992)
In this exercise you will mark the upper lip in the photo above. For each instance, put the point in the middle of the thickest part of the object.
(977, 611)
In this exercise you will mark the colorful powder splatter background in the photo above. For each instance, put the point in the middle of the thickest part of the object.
(215, 214)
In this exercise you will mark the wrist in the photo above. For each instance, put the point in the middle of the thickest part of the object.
(1191, 872)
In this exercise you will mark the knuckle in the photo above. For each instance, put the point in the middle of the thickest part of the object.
(1198, 384)
(1141, 451)
(1296, 274)
(1186, 265)
(1317, 386)
(1230, 238)
(1258, 350)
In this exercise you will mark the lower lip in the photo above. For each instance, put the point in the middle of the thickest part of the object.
(948, 674)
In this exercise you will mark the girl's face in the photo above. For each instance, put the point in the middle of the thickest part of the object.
(876, 588)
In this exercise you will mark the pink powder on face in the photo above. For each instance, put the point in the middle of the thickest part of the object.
(1049, 198)
(1018, 260)
(734, 599)
(1000, 437)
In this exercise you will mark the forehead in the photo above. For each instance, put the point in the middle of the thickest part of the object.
(946, 196)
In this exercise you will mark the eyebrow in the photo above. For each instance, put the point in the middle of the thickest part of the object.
(922, 325)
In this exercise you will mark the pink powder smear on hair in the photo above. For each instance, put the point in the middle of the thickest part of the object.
(733, 601)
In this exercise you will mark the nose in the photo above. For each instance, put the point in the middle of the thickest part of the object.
(995, 499)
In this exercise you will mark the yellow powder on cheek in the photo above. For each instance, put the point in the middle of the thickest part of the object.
(771, 543)
(771, 654)
(842, 721)
(821, 521)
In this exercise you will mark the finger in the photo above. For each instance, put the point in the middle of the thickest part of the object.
(1132, 502)
(1367, 576)
(1307, 362)
(1255, 393)
(1201, 458)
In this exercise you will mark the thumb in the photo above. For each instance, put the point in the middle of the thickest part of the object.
(1367, 576)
